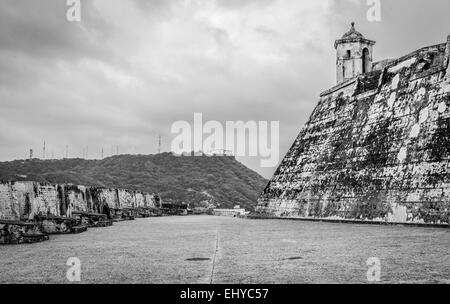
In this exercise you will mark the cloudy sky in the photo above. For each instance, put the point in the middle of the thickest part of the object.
(131, 68)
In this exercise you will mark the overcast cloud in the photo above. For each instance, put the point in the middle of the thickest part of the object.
(130, 68)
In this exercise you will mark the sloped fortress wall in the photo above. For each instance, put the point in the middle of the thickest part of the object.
(127, 199)
(109, 197)
(25, 200)
(376, 148)
(75, 199)
(140, 199)
(150, 200)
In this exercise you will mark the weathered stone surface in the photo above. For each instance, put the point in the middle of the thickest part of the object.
(76, 199)
(376, 148)
(127, 199)
(96, 206)
(24, 200)
(19, 232)
(93, 220)
(30, 211)
(59, 225)
(129, 213)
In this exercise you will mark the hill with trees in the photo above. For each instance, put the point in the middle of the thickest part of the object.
(220, 180)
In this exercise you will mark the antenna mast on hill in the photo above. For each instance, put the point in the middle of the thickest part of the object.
(43, 151)
(67, 151)
(102, 153)
(31, 154)
(159, 145)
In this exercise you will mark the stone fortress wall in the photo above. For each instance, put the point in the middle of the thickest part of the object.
(376, 148)
(22, 201)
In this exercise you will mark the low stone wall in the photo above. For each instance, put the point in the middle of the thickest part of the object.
(22, 201)
(19, 232)
(25, 200)
(30, 211)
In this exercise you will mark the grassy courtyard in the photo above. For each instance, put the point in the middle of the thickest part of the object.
(204, 249)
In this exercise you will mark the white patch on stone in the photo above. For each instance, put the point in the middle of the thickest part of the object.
(424, 113)
(401, 65)
(399, 214)
(415, 131)
(442, 107)
(378, 97)
(420, 94)
(402, 154)
(395, 82)
(412, 86)
(447, 87)
(391, 100)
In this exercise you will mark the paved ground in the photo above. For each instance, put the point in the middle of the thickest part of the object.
(157, 250)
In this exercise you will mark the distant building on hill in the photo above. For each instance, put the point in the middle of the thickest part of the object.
(236, 211)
